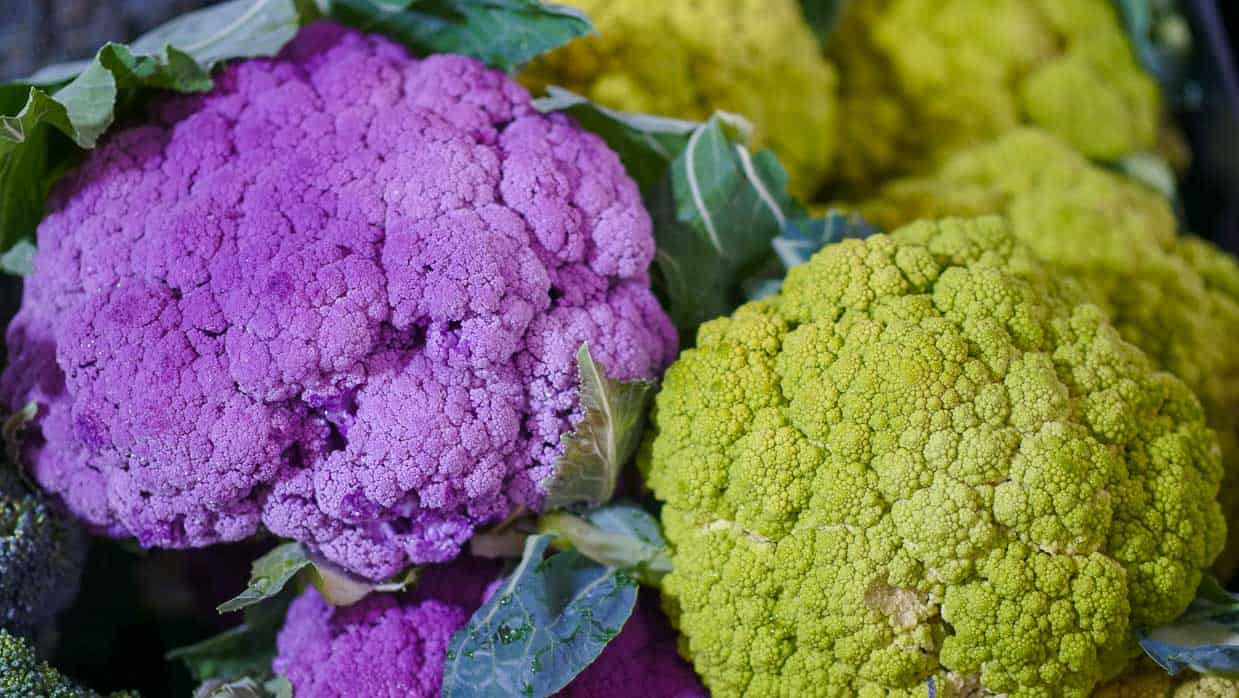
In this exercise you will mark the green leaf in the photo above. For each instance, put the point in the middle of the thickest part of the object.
(619, 535)
(823, 17)
(800, 240)
(603, 441)
(245, 650)
(548, 621)
(80, 100)
(19, 260)
(235, 29)
(714, 222)
(268, 576)
(1204, 639)
(273, 571)
(504, 34)
(646, 144)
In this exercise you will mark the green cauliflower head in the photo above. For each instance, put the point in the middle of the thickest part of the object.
(923, 459)
(921, 78)
(688, 58)
(1176, 297)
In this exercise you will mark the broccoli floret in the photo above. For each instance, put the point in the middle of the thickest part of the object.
(339, 297)
(922, 458)
(41, 557)
(24, 675)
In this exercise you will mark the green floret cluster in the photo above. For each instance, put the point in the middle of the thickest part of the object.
(1174, 296)
(923, 78)
(926, 459)
(24, 675)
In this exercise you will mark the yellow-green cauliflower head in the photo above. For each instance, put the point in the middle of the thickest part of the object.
(1176, 297)
(688, 58)
(921, 78)
(921, 459)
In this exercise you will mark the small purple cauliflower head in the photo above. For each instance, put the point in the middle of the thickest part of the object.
(396, 644)
(386, 644)
(339, 296)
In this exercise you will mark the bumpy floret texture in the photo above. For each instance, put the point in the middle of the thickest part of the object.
(396, 645)
(921, 78)
(338, 296)
(1147, 680)
(23, 675)
(688, 58)
(41, 557)
(923, 459)
(1174, 296)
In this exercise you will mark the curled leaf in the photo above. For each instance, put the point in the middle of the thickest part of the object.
(1204, 639)
(603, 441)
(268, 575)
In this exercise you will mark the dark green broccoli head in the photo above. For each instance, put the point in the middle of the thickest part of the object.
(41, 556)
(23, 675)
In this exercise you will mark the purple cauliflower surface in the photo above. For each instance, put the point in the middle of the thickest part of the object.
(338, 296)
(396, 644)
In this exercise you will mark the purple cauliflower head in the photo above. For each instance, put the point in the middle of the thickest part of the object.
(396, 644)
(339, 296)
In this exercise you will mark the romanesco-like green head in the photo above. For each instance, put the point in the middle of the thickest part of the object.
(687, 58)
(923, 459)
(1176, 297)
(923, 78)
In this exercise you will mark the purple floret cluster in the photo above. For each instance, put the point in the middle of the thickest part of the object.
(338, 297)
(386, 644)
(396, 644)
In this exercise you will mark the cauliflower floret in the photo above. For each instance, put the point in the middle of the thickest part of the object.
(1176, 297)
(339, 296)
(922, 458)
(403, 642)
(923, 78)
(687, 58)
